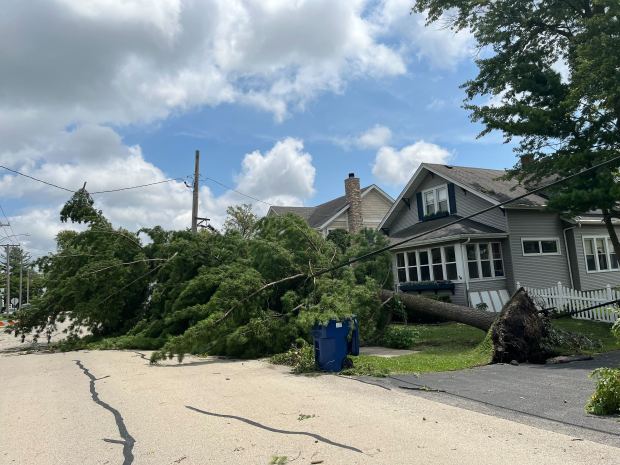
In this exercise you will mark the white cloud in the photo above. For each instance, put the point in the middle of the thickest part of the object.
(440, 46)
(375, 137)
(282, 175)
(73, 70)
(436, 104)
(395, 167)
(103, 61)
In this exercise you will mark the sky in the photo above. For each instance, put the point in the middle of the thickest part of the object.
(283, 98)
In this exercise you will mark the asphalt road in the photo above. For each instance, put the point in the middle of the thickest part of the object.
(547, 396)
(112, 407)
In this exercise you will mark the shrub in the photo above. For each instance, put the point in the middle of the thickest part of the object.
(399, 337)
(300, 358)
(606, 397)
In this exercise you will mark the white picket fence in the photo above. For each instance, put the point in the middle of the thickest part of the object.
(564, 299)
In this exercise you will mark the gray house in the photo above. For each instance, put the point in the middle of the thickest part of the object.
(482, 259)
(359, 208)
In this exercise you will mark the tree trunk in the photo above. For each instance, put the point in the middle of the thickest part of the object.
(613, 236)
(466, 315)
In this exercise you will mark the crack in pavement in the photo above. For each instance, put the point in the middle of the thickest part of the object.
(128, 441)
(142, 356)
(275, 430)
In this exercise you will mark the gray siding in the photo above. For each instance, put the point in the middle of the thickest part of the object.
(487, 285)
(405, 216)
(466, 204)
(539, 270)
(584, 280)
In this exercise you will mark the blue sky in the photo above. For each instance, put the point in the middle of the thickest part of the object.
(425, 105)
(283, 99)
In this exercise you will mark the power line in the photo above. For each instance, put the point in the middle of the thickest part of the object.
(37, 179)
(66, 189)
(484, 210)
(9, 225)
(138, 186)
(236, 191)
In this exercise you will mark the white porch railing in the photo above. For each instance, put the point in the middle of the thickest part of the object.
(566, 299)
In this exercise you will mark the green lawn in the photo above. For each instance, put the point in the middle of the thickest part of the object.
(592, 329)
(442, 347)
(454, 346)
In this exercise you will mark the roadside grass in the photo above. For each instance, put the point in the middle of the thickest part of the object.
(439, 347)
(595, 330)
(454, 346)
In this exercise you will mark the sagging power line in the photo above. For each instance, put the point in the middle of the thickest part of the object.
(106, 191)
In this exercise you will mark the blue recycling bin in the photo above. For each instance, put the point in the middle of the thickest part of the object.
(333, 342)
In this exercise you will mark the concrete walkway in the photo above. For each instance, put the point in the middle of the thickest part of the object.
(548, 396)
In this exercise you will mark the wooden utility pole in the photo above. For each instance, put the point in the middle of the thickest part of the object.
(195, 197)
(7, 297)
(28, 285)
(21, 280)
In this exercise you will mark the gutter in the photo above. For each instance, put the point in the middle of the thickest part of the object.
(570, 269)
(415, 243)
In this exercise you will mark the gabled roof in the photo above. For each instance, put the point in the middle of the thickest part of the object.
(485, 183)
(463, 229)
(318, 216)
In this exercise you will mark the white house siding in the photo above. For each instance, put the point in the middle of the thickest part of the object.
(583, 280)
(536, 270)
(341, 222)
(374, 208)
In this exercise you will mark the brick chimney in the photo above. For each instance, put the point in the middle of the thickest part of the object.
(354, 199)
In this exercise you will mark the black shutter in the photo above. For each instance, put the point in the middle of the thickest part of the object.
(452, 198)
(418, 201)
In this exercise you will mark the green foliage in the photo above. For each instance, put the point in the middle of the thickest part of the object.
(606, 397)
(299, 357)
(242, 294)
(240, 219)
(79, 208)
(565, 122)
(341, 238)
(380, 266)
(615, 330)
(399, 337)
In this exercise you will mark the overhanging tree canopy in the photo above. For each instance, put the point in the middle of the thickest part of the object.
(552, 71)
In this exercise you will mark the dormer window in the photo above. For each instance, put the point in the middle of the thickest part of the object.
(435, 200)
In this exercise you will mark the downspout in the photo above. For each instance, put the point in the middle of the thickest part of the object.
(570, 268)
(465, 271)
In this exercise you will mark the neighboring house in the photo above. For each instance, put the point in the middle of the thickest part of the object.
(484, 258)
(356, 210)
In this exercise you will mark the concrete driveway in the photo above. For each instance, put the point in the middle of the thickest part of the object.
(548, 396)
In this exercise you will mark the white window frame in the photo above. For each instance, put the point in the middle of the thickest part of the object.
(430, 263)
(539, 240)
(608, 252)
(435, 198)
(479, 261)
